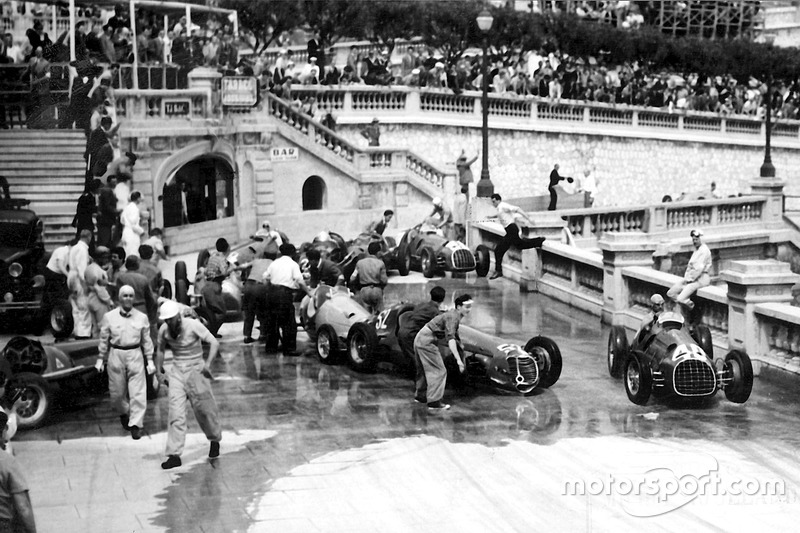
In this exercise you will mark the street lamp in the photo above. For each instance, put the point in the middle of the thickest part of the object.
(767, 168)
(485, 187)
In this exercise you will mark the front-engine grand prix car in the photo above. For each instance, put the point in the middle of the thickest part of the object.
(667, 361)
(425, 247)
(344, 325)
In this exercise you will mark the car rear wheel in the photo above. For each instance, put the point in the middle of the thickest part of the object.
(61, 323)
(427, 258)
(702, 335)
(180, 271)
(327, 344)
(36, 402)
(482, 260)
(617, 350)
(551, 370)
(739, 370)
(182, 291)
(403, 260)
(362, 347)
(638, 379)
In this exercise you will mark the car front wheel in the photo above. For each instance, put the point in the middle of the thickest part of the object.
(638, 380)
(35, 404)
(327, 344)
(482, 260)
(427, 258)
(551, 370)
(739, 370)
(617, 350)
(362, 347)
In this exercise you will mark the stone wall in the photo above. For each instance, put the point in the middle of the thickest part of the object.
(630, 171)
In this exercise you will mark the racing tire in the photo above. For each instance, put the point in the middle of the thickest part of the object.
(390, 242)
(166, 289)
(202, 258)
(638, 379)
(740, 369)
(327, 345)
(182, 291)
(152, 383)
(482, 260)
(61, 322)
(552, 361)
(23, 354)
(180, 271)
(617, 351)
(36, 403)
(362, 347)
(207, 318)
(702, 335)
(427, 259)
(403, 261)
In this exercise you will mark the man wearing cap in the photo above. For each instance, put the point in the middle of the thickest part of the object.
(372, 133)
(697, 272)
(189, 379)
(284, 278)
(16, 512)
(656, 308)
(125, 344)
(370, 276)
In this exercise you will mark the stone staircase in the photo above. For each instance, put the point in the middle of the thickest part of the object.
(47, 168)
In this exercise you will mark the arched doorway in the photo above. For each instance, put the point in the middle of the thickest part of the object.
(314, 194)
(200, 191)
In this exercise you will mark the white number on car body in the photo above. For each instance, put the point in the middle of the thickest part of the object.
(508, 348)
(381, 319)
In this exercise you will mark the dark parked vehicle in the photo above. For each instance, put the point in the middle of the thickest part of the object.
(425, 248)
(669, 361)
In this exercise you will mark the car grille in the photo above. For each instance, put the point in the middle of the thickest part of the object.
(694, 378)
(525, 372)
(463, 259)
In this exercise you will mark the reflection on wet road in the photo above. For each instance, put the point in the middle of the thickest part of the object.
(309, 447)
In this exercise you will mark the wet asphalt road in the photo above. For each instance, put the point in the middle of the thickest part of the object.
(309, 447)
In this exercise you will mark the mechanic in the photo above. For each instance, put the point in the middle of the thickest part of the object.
(376, 228)
(370, 275)
(696, 275)
(284, 278)
(217, 269)
(417, 319)
(323, 270)
(426, 348)
(189, 379)
(16, 511)
(272, 238)
(254, 296)
(656, 308)
(114, 269)
(508, 215)
(55, 276)
(76, 281)
(98, 298)
(125, 343)
(443, 217)
(144, 299)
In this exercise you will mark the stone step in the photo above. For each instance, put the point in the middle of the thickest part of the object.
(31, 147)
(38, 155)
(45, 174)
(45, 163)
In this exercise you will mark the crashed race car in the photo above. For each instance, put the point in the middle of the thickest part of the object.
(347, 253)
(41, 373)
(669, 361)
(343, 325)
(425, 248)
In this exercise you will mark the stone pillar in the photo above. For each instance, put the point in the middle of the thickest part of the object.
(772, 188)
(751, 283)
(620, 250)
(206, 78)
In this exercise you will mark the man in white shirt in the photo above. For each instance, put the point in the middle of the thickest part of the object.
(284, 277)
(508, 215)
(76, 281)
(697, 272)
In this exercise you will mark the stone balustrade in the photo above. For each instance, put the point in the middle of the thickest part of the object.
(355, 103)
(136, 106)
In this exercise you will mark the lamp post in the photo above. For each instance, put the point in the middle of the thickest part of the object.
(485, 187)
(767, 168)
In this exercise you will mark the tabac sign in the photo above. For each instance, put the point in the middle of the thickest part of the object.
(177, 107)
(284, 153)
(239, 91)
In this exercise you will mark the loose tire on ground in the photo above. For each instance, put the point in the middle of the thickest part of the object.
(552, 364)
(61, 323)
(617, 351)
(180, 271)
(427, 259)
(327, 345)
(638, 379)
(362, 347)
(182, 291)
(36, 403)
(740, 369)
(403, 260)
(482, 260)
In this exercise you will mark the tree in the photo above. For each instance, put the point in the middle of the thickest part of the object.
(450, 27)
(334, 19)
(385, 21)
(264, 22)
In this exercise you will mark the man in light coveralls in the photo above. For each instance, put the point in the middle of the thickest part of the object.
(189, 379)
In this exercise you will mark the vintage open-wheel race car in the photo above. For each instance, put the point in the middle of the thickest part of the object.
(424, 247)
(343, 326)
(669, 361)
